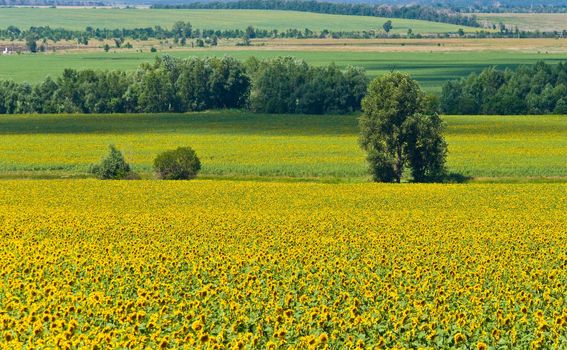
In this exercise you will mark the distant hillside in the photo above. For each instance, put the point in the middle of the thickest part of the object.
(477, 6)
(480, 5)
(425, 13)
(80, 18)
(454, 5)
(436, 3)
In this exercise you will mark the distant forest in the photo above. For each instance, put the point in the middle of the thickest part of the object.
(53, 3)
(535, 89)
(278, 85)
(456, 6)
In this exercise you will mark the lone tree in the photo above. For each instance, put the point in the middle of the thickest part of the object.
(387, 26)
(400, 127)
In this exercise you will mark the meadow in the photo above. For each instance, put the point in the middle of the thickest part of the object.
(79, 19)
(234, 144)
(216, 264)
(431, 69)
(544, 22)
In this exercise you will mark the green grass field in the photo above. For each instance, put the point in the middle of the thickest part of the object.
(430, 69)
(543, 22)
(209, 19)
(238, 144)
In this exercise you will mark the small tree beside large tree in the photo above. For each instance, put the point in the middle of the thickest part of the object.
(401, 128)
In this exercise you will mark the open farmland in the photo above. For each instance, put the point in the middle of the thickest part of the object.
(203, 189)
(79, 19)
(431, 69)
(210, 263)
(239, 144)
(544, 22)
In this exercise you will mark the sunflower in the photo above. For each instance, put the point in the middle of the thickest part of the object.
(459, 338)
(8, 336)
(197, 325)
(204, 338)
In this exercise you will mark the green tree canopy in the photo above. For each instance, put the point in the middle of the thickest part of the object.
(387, 26)
(400, 127)
(113, 167)
(179, 164)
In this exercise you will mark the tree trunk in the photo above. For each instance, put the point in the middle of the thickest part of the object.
(399, 164)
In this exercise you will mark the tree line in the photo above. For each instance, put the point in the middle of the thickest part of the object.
(510, 6)
(426, 13)
(279, 85)
(531, 89)
(181, 31)
(51, 3)
(36, 38)
(486, 6)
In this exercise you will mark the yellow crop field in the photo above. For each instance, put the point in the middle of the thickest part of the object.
(229, 264)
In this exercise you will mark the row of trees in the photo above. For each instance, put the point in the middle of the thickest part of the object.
(426, 13)
(51, 3)
(167, 85)
(508, 6)
(178, 31)
(281, 85)
(36, 38)
(183, 31)
(534, 89)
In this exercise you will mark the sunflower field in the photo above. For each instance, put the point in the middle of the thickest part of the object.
(244, 265)
(237, 145)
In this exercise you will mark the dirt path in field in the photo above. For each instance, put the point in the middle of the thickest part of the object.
(413, 45)
(331, 45)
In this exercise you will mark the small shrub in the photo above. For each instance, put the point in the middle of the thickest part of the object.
(179, 164)
(113, 167)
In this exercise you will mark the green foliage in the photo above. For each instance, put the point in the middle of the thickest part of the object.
(31, 43)
(400, 128)
(536, 89)
(312, 147)
(167, 85)
(179, 164)
(425, 148)
(387, 26)
(182, 30)
(113, 167)
(281, 85)
(289, 85)
(561, 106)
(431, 69)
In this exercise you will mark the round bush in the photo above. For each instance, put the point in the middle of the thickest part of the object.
(179, 164)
